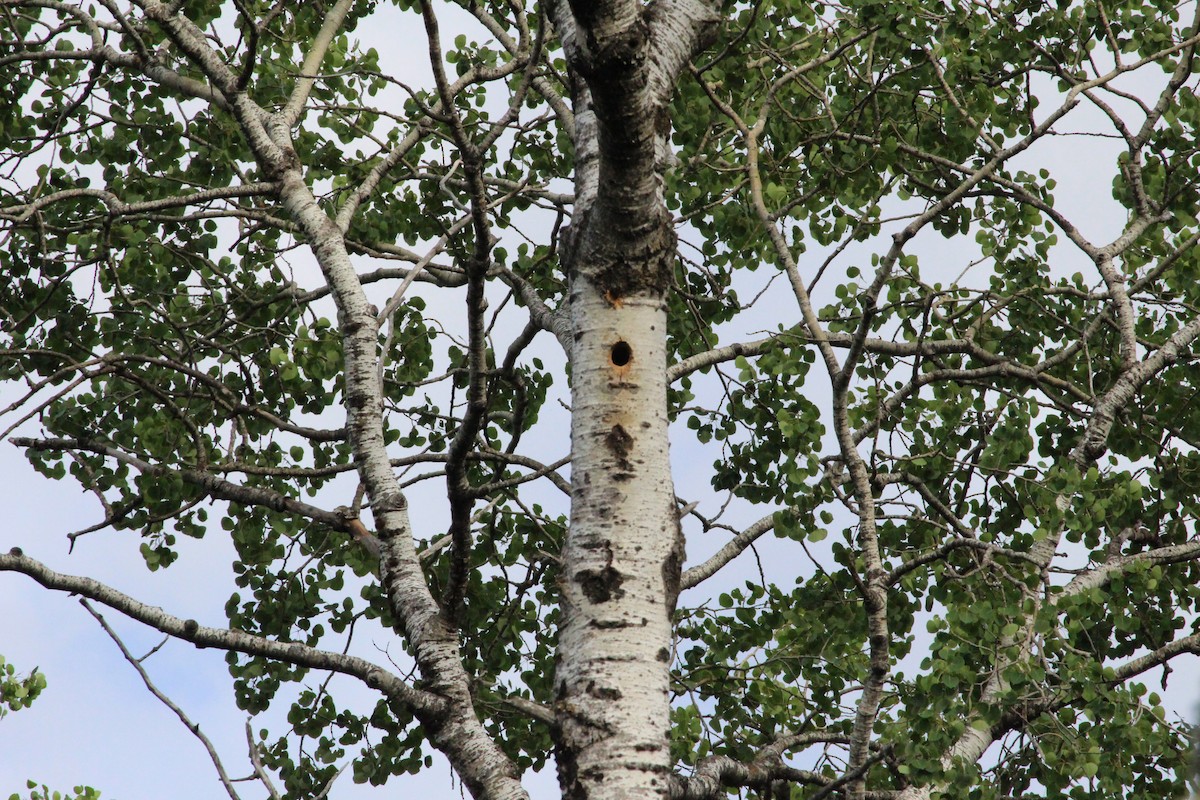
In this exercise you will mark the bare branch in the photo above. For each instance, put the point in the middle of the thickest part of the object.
(166, 701)
(189, 630)
(731, 550)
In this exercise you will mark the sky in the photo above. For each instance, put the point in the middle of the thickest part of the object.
(97, 724)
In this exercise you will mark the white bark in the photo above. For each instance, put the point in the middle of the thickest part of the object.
(484, 768)
(622, 559)
(622, 555)
(458, 733)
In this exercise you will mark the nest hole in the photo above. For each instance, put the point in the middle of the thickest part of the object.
(622, 354)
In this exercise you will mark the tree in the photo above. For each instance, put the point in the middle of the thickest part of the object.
(244, 298)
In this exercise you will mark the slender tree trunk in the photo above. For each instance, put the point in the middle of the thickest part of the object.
(623, 554)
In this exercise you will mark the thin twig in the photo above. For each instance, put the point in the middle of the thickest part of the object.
(193, 727)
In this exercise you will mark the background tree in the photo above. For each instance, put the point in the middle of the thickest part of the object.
(262, 284)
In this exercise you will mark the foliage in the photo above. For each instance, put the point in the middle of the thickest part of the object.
(959, 422)
(42, 792)
(17, 692)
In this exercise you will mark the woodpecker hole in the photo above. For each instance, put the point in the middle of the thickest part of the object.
(622, 354)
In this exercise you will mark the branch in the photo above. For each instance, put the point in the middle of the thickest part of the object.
(312, 62)
(1136, 666)
(719, 772)
(679, 29)
(544, 87)
(732, 549)
(422, 703)
(1101, 575)
(154, 690)
(716, 774)
(192, 41)
(974, 742)
(140, 62)
(921, 348)
(854, 774)
(1094, 441)
(256, 762)
(118, 208)
(717, 355)
(212, 485)
(533, 710)
(482, 765)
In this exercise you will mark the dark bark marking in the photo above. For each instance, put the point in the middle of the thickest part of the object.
(664, 655)
(615, 624)
(600, 585)
(648, 274)
(671, 570)
(595, 774)
(623, 53)
(568, 773)
(603, 692)
(619, 442)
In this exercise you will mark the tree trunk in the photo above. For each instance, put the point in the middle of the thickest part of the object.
(624, 550)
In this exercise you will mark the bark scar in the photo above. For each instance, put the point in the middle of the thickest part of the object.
(620, 444)
(601, 585)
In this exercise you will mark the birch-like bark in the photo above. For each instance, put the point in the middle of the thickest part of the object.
(622, 556)
(624, 550)
(484, 768)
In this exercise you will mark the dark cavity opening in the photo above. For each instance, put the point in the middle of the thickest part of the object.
(622, 354)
